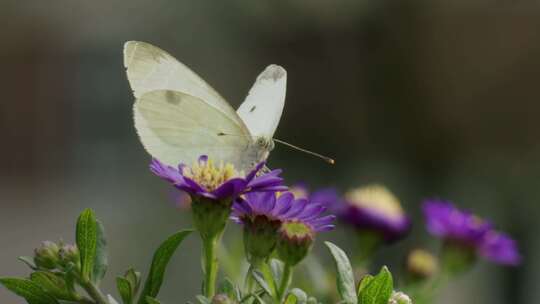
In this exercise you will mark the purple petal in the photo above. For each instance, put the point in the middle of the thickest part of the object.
(297, 208)
(230, 188)
(283, 203)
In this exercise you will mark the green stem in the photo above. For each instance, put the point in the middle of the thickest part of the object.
(210, 266)
(269, 278)
(285, 281)
(248, 280)
(94, 292)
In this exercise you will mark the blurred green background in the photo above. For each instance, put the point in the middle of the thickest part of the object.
(431, 98)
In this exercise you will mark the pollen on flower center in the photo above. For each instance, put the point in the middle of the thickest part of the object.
(378, 198)
(208, 175)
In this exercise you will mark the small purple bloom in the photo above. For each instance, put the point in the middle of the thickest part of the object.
(374, 208)
(282, 208)
(328, 197)
(446, 221)
(204, 179)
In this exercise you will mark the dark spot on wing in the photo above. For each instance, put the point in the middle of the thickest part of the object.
(171, 98)
(220, 134)
(252, 109)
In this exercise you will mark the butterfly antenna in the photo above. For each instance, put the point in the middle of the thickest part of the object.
(325, 158)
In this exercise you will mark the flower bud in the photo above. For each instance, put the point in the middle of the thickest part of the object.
(260, 237)
(47, 256)
(399, 298)
(69, 254)
(422, 264)
(222, 299)
(294, 242)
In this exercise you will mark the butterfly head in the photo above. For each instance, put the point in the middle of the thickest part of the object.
(265, 143)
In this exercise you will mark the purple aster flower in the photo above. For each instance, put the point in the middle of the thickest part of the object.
(213, 188)
(283, 208)
(375, 209)
(465, 229)
(205, 179)
(271, 219)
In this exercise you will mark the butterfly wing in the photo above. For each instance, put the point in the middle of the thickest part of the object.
(175, 127)
(150, 68)
(261, 111)
(178, 115)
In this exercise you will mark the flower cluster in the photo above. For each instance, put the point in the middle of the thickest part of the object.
(464, 229)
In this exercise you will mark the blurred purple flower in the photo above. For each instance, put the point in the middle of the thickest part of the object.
(453, 225)
(328, 197)
(204, 179)
(375, 209)
(282, 208)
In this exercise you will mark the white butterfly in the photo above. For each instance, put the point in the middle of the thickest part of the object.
(179, 117)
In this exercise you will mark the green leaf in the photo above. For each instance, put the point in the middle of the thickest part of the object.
(52, 284)
(345, 277)
(379, 289)
(134, 278)
(111, 300)
(229, 288)
(100, 262)
(86, 239)
(258, 299)
(364, 282)
(160, 260)
(312, 300)
(297, 295)
(277, 270)
(124, 289)
(203, 300)
(28, 290)
(150, 300)
(29, 261)
(259, 278)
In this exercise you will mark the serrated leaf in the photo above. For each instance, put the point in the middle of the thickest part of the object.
(124, 290)
(160, 260)
(101, 261)
(29, 261)
(259, 278)
(379, 289)
(345, 276)
(364, 282)
(29, 290)
(86, 238)
(150, 300)
(52, 284)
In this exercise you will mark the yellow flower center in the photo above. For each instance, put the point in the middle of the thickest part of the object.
(208, 175)
(377, 198)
